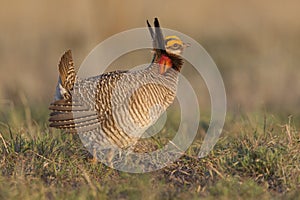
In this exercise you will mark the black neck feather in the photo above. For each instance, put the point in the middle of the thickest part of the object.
(177, 61)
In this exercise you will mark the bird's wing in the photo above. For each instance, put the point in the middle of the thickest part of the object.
(89, 112)
(87, 107)
(79, 118)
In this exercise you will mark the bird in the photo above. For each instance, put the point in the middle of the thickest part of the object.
(113, 109)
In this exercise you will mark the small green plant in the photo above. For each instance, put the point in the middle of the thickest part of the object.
(256, 157)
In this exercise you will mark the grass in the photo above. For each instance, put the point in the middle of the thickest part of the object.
(258, 156)
(255, 46)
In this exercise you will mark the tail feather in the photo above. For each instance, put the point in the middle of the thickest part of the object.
(67, 77)
(66, 71)
(69, 113)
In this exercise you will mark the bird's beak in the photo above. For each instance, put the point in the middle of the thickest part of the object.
(185, 45)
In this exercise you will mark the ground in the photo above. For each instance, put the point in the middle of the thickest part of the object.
(257, 156)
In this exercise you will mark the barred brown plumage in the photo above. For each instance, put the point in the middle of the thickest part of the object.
(115, 108)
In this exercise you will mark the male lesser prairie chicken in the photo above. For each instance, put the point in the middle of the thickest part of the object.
(115, 108)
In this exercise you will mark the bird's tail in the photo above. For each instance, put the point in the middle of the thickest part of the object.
(67, 77)
(64, 105)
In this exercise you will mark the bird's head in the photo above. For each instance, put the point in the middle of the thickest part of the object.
(174, 48)
(167, 50)
(174, 45)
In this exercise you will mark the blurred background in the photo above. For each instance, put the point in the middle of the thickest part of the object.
(255, 44)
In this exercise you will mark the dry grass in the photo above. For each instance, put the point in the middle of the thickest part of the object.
(256, 47)
(257, 157)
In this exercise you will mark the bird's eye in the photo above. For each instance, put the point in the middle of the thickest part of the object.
(175, 45)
